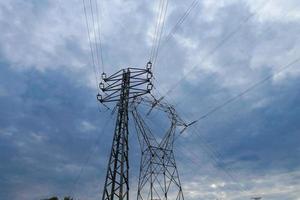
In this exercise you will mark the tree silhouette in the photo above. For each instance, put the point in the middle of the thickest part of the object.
(56, 198)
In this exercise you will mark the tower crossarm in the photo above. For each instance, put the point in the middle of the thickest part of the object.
(111, 87)
(160, 105)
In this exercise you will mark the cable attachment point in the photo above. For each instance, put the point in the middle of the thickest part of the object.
(154, 103)
(149, 65)
(149, 87)
(149, 75)
(193, 122)
(187, 125)
(101, 86)
(133, 81)
(103, 76)
(99, 98)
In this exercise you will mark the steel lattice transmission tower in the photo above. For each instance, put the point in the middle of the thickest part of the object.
(158, 178)
(120, 87)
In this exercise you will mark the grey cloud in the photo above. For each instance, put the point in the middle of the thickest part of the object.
(48, 105)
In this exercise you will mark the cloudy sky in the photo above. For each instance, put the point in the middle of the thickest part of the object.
(54, 140)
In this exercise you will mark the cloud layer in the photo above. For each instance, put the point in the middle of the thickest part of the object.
(54, 141)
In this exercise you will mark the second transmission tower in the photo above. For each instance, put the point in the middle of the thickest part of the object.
(159, 178)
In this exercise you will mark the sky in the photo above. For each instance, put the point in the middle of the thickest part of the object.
(54, 141)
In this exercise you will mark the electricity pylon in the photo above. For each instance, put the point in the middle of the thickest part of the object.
(158, 178)
(120, 87)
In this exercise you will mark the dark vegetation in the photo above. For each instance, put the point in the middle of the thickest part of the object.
(56, 198)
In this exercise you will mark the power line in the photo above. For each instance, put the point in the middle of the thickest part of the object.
(89, 156)
(94, 32)
(217, 157)
(96, 80)
(161, 31)
(220, 44)
(90, 44)
(217, 154)
(180, 21)
(215, 162)
(247, 90)
(214, 156)
(99, 34)
(193, 5)
(160, 22)
(156, 29)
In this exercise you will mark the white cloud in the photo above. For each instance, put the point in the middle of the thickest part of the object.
(270, 186)
(8, 132)
(38, 137)
(277, 10)
(86, 126)
(44, 35)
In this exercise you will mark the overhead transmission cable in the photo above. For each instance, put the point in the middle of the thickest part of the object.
(217, 159)
(255, 85)
(98, 9)
(176, 27)
(76, 180)
(155, 29)
(91, 49)
(180, 21)
(215, 162)
(196, 131)
(155, 56)
(213, 156)
(90, 44)
(162, 21)
(215, 153)
(244, 92)
(159, 27)
(94, 32)
(159, 8)
(220, 44)
(89, 154)
(248, 89)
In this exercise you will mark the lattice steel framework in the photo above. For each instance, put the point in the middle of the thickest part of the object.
(120, 87)
(158, 178)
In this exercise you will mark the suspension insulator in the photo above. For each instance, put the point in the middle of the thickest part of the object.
(99, 98)
(149, 86)
(149, 76)
(103, 75)
(101, 86)
(149, 65)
